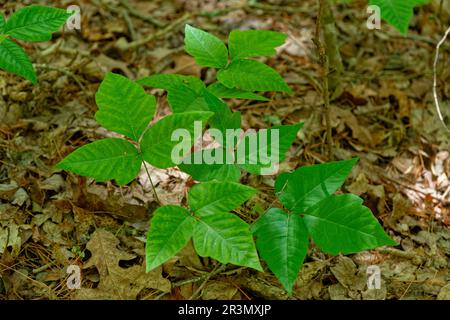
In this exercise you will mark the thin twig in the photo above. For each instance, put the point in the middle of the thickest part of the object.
(134, 44)
(436, 59)
(130, 25)
(66, 72)
(137, 14)
(267, 7)
(151, 182)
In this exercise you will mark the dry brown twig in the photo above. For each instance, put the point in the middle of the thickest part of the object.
(436, 59)
(123, 45)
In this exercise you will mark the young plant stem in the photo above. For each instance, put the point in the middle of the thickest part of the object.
(151, 182)
(218, 269)
(323, 58)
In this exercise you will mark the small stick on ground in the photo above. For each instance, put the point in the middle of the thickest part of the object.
(137, 14)
(134, 44)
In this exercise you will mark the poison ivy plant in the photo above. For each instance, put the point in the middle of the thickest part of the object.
(336, 223)
(215, 232)
(125, 108)
(236, 71)
(398, 13)
(32, 23)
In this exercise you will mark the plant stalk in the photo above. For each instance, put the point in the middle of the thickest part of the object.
(151, 182)
(323, 58)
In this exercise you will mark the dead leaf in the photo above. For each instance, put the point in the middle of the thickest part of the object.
(117, 282)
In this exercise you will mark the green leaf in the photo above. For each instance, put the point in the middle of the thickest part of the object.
(124, 107)
(282, 241)
(14, 59)
(253, 43)
(223, 118)
(341, 224)
(226, 238)
(214, 171)
(398, 13)
(308, 185)
(208, 172)
(2, 22)
(208, 50)
(182, 98)
(35, 23)
(214, 197)
(251, 75)
(265, 159)
(184, 93)
(264, 156)
(220, 91)
(170, 230)
(104, 160)
(157, 144)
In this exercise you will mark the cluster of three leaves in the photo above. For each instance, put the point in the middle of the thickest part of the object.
(236, 71)
(33, 23)
(216, 232)
(124, 107)
(336, 223)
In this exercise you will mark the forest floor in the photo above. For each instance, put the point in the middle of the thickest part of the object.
(382, 112)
